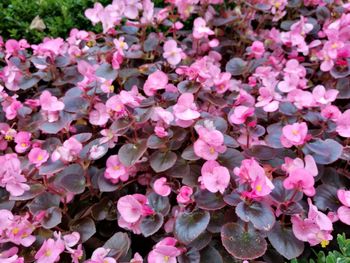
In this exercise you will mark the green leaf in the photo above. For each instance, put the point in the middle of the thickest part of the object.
(162, 161)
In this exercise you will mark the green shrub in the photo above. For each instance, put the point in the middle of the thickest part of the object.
(59, 17)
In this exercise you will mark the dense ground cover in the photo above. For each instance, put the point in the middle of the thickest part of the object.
(194, 131)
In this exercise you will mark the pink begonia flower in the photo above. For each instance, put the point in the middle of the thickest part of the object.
(68, 151)
(294, 75)
(110, 137)
(315, 229)
(38, 156)
(223, 82)
(185, 110)
(70, 240)
(10, 256)
(253, 174)
(324, 97)
(50, 47)
(172, 53)
(209, 144)
(106, 85)
(268, 99)
(331, 112)
(96, 152)
(11, 76)
(184, 196)
(93, 13)
(50, 106)
(257, 49)
(50, 251)
(343, 124)
(200, 29)
(76, 254)
(161, 187)
(10, 175)
(165, 251)
(117, 59)
(294, 134)
(100, 256)
(116, 107)
(11, 106)
(99, 116)
(120, 44)
(344, 211)
(16, 229)
(301, 98)
(116, 171)
(161, 115)
(137, 258)
(240, 114)
(214, 177)
(22, 140)
(160, 132)
(131, 98)
(155, 81)
(300, 175)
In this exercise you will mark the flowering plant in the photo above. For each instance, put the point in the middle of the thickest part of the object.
(207, 129)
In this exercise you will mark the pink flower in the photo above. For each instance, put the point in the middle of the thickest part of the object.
(115, 106)
(294, 134)
(315, 229)
(38, 156)
(200, 29)
(300, 176)
(294, 75)
(132, 207)
(156, 81)
(10, 256)
(116, 170)
(93, 14)
(160, 187)
(164, 251)
(223, 82)
(184, 196)
(50, 106)
(240, 114)
(100, 256)
(209, 144)
(172, 53)
(253, 174)
(324, 97)
(214, 177)
(344, 211)
(50, 251)
(343, 124)
(301, 98)
(185, 110)
(99, 116)
(68, 151)
(11, 106)
(257, 49)
(331, 112)
(22, 140)
(137, 258)
(10, 175)
(161, 115)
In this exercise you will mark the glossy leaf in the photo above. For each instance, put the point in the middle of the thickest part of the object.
(129, 153)
(162, 161)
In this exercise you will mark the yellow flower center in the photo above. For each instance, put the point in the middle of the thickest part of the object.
(122, 44)
(111, 88)
(118, 108)
(258, 188)
(23, 144)
(295, 132)
(15, 231)
(277, 5)
(8, 137)
(335, 45)
(324, 243)
(212, 150)
(166, 258)
(48, 253)
(40, 157)
(117, 167)
(90, 44)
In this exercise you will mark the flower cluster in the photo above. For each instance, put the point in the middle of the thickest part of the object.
(198, 130)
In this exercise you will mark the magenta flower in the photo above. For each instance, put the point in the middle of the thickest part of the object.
(214, 177)
(343, 124)
(50, 251)
(254, 175)
(294, 134)
(156, 81)
(116, 171)
(22, 140)
(38, 156)
(161, 187)
(257, 49)
(184, 196)
(344, 211)
(200, 29)
(240, 114)
(137, 258)
(50, 106)
(209, 144)
(164, 251)
(100, 256)
(315, 229)
(185, 110)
